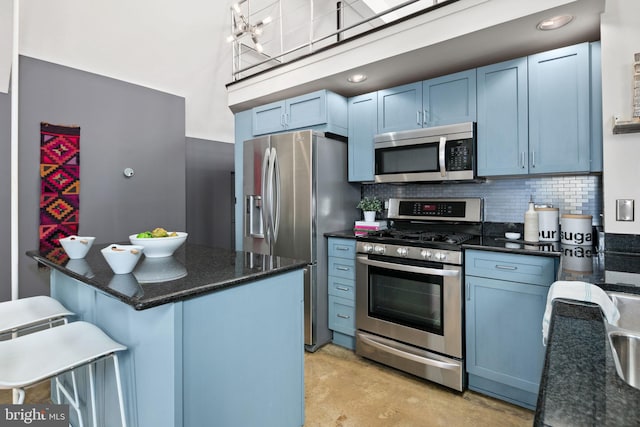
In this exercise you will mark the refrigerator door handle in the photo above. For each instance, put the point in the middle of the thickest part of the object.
(275, 179)
(265, 196)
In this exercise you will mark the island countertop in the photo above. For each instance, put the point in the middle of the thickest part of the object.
(193, 270)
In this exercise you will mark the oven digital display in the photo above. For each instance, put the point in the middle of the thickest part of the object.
(448, 209)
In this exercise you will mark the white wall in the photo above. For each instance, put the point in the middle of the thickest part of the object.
(6, 30)
(620, 35)
(173, 46)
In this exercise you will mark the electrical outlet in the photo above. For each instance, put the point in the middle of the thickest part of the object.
(624, 210)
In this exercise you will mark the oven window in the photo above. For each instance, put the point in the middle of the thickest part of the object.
(407, 159)
(409, 299)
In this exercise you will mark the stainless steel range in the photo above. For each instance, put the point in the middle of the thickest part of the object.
(409, 290)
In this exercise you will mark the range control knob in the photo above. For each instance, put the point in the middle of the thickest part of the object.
(379, 249)
(440, 256)
(402, 251)
(425, 254)
(367, 248)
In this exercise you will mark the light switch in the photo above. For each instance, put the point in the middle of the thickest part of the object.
(624, 210)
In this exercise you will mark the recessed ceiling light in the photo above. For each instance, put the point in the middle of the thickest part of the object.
(554, 23)
(357, 78)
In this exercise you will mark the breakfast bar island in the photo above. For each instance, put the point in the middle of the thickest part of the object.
(214, 337)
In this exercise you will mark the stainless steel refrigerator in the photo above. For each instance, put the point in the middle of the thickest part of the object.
(295, 189)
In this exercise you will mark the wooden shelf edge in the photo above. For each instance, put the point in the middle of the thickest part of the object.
(628, 127)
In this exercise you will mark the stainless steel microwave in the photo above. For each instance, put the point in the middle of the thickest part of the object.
(442, 153)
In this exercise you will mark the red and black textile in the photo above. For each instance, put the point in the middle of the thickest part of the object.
(59, 186)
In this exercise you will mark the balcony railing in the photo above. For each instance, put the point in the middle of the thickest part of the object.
(268, 33)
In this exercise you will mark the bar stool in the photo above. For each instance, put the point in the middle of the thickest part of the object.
(28, 313)
(32, 358)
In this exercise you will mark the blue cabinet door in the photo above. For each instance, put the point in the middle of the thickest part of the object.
(269, 118)
(559, 111)
(449, 99)
(596, 108)
(306, 110)
(400, 108)
(503, 135)
(363, 125)
(504, 338)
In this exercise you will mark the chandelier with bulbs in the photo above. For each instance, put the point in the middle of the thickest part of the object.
(242, 27)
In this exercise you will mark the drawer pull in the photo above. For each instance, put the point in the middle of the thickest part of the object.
(342, 288)
(344, 316)
(506, 267)
(343, 268)
(342, 248)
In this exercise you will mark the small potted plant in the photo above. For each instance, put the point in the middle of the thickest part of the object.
(370, 205)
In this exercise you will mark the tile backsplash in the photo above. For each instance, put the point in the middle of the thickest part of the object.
(505, 199)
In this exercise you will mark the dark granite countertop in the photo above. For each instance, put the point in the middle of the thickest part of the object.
(193, 270)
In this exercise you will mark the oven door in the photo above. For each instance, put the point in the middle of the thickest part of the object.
(414, 302)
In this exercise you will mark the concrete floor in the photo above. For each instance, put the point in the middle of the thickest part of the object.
(345, 390)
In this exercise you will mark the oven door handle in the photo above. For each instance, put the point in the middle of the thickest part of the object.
(408, 268)
(405, 355)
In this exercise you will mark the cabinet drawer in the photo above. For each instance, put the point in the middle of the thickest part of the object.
(342, 267)
(342, 248)
(342, 288)
(532, 269)
(342, 315)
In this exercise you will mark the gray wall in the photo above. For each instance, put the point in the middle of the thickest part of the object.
(5, 196)
(122, 125)
(210, 193)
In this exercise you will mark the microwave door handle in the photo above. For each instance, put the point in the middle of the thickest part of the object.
(441, 152)
(407, 268)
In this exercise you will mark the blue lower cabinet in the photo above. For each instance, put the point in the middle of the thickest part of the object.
(505, 354)
(341, 288)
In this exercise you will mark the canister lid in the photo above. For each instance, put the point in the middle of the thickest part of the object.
(576, 216)
(548, 209)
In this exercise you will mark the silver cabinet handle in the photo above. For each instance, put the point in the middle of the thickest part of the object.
(523, 154)
(425, 117)
(468, 291)
(342, 248)
(342, 288)
(343, 268)
(343, 316)
(418, 119)
(533, 159)
(506, 267)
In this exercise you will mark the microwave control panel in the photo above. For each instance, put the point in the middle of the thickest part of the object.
(459, 155)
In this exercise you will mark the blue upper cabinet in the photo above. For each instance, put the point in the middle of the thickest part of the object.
(449, 99)
(503, 134)
(559, 110)
(321, 110)
(400, 108)
(596, 108)
(435, 102)
(363, 125)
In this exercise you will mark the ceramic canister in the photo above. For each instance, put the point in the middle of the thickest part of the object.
(576, 230)
(577, 259)
(548, 224)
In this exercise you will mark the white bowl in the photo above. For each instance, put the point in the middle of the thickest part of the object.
(122, 258)
(512, 235)
(77, 246)
(156, 247)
